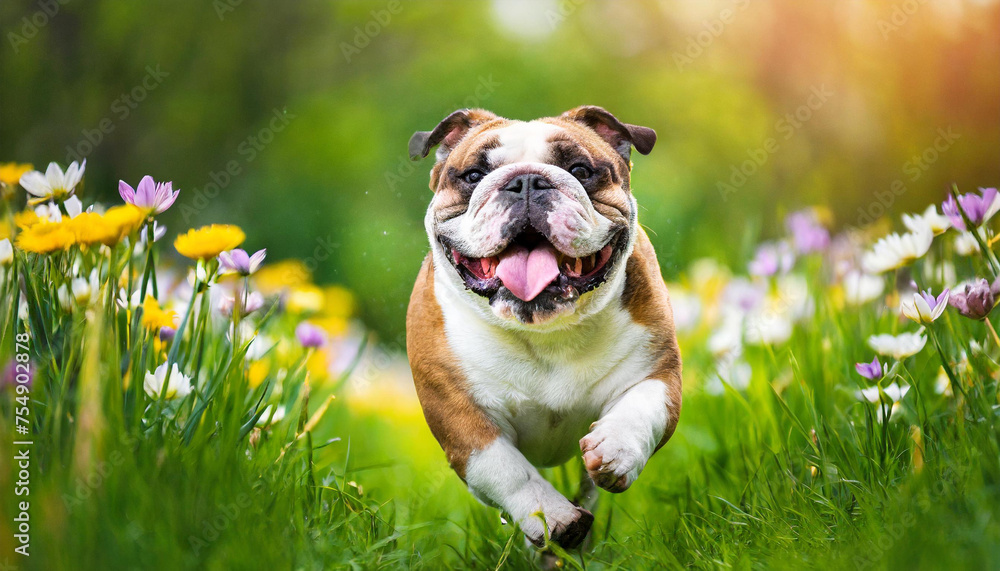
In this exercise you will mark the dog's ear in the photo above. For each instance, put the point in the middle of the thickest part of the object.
(621, 136)
(448, 133)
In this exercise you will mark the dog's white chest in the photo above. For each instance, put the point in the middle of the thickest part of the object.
(544, 392)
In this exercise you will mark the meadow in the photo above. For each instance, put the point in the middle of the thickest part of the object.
(191, 405)
(818, 169)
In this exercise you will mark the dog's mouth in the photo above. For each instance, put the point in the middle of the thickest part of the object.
(530, 267)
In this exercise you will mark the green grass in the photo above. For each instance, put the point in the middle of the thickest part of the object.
(792, 471)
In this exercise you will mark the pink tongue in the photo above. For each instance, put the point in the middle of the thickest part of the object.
(526, 273)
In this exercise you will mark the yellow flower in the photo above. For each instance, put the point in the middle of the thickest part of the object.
(305, 299)
(338, 302)
(277, 277)
(26, 219)
(123, 220)
(257, 372)
(45, 238)
(90, 228)
(10, 173)
(318, 365)
(154, 317)
(208, 241)
(335, 326)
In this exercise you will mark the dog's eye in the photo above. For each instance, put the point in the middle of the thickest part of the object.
(581, 171)
(473, 176)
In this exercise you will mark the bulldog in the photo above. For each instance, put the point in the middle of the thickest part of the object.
(539, 326)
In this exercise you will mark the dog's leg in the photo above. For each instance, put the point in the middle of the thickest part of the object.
(501, 476)
(626, 435)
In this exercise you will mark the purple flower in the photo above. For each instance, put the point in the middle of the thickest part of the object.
(976, 300)
(977, 207)
(309, 335)
(167, 333)
(807, 233)
(150, 196)
(873, 371)
(239, 262)
(770, 259)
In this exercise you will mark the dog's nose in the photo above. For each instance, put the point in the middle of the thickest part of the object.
(528, 181)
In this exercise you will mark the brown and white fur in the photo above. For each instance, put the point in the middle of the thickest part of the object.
(590, 365)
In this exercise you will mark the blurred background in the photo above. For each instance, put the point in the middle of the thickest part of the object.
(291, 118)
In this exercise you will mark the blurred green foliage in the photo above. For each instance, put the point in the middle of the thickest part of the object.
(311, 104)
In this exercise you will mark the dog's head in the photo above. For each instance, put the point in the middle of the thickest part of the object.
(529, 220)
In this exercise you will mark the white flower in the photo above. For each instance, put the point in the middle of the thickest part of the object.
(80, 290)
(687, 309)
(279, 414)
(898, 346)
(928, 220)
(179, 385)
(860, 287)
(942, 385)
(897, 250)
(892, 395)
(769, 325)
(49, 212)
(85, 290)
(73, 206)
(728, 338)
(126, 301)
(924, 307)
(792, 297)
(6, 252)
(733, 371)
(966, 244)
(54, 183)
(64, 299)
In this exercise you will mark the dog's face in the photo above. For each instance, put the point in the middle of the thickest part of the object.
(530, 220)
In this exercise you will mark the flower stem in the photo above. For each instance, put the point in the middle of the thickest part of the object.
(955, 382)
(987, 252)
(989, 325)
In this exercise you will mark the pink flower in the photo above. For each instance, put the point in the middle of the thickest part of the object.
(807, 233)
(239, 262)
(873, 371)
(978, 208)
(771, 258)
(150, 196)
(975, 300)
(309, 335)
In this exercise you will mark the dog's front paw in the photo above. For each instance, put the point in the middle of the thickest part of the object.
(567, 525)
(613, 458)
